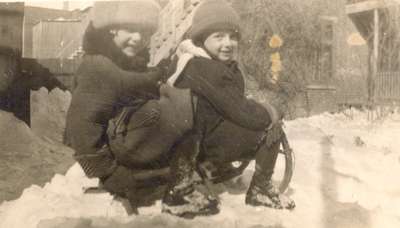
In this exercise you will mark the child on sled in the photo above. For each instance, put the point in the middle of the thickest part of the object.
(226, 124)
(113, 75)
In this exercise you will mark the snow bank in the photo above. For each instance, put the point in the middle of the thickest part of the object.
(63, 196)
(48, 112)
(346, 176)
(26, 158)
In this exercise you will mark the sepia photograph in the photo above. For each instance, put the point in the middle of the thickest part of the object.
(199, 113)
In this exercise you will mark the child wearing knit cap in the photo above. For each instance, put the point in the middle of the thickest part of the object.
(113, 75)
(222, 113)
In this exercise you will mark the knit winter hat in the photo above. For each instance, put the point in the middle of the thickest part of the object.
(137, 14)
(213, 15)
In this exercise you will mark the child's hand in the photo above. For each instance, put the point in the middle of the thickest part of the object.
(156, 74)
(187, 47)
(275, 113)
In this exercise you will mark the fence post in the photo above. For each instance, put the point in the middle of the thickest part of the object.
(372, 76)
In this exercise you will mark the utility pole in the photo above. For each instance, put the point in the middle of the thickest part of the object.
(374, 59)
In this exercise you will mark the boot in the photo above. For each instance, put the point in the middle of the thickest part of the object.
(182, 198)
(268, 195)
(261, 191)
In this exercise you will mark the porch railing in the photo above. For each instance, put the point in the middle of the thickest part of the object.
(387, 86)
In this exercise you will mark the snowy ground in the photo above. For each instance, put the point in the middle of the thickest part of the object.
(345, 176)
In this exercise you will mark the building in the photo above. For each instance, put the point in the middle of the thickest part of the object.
(175, 20)
(378, 22)
(341, 70)
(34, 15)
(57, 43)
(50, 33)
(56, 39)
(11, 19)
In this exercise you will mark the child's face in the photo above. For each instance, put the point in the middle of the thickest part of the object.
(130, 42)
(222, 45)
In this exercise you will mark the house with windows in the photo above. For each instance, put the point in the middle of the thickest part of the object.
(341, 75)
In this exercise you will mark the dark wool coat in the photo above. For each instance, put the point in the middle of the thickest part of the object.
(220, 89)
(105, 83)
(102, 90)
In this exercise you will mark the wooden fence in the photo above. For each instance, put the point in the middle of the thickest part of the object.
(387, 86)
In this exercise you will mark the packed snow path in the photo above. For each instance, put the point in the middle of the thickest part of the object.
(346, 176)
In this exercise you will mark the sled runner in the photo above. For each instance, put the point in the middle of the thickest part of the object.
(216, 175)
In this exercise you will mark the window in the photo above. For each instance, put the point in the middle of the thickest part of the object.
(326, 52)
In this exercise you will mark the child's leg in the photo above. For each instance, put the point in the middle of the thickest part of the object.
(181, 197)
(261, 181)
(265, 162)
(229, 142)
(261, 191)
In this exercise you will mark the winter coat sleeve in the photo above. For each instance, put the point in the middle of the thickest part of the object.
(130, 82)
(213, 81)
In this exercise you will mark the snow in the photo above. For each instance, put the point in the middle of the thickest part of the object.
(26, 157)
(346, 176)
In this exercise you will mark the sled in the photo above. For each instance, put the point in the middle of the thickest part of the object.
(214, 175)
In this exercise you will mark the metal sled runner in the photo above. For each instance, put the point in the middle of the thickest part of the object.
(211, 174)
